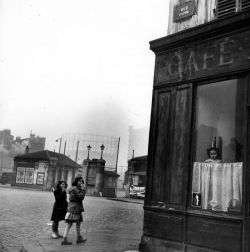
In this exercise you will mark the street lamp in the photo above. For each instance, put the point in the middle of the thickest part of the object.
(88, 148)
(102, 148)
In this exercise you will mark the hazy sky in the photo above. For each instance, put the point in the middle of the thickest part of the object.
(77, 66)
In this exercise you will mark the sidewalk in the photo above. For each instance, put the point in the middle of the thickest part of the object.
(96, 242)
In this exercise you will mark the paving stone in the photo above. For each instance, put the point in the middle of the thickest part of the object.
(25, 215)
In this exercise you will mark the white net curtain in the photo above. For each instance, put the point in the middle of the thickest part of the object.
(219, 185)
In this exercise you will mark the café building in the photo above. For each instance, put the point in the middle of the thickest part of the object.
(201, 99)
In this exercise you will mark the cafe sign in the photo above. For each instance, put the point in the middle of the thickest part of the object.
(200, 60)
(183, 11)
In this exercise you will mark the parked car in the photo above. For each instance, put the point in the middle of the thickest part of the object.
(140, 195)
(137, 192)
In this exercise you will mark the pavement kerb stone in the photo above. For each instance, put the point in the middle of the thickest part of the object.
(126, 200)
(22, 188)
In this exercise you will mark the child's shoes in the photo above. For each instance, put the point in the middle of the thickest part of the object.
(54, 235)
(80, 239)
(65, 242)
(58, 235)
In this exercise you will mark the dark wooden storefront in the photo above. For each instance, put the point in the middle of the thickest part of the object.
(213, 57)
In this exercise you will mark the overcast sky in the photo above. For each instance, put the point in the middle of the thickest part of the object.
(77, 66)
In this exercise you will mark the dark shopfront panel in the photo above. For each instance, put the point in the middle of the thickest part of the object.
(201, 98)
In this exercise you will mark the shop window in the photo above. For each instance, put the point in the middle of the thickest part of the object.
(217, 170)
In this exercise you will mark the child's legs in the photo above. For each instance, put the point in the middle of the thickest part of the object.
(55, 226)
(66, 230)
(78, 228)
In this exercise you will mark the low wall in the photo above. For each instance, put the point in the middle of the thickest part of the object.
(109, 192)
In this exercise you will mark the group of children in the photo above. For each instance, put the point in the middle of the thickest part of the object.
(70, 211)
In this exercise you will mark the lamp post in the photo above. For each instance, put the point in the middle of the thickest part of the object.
(60, 143)
(102, 148)
(88, 148)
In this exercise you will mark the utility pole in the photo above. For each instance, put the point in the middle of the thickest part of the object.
(64, 148)
(60, 143)
(117, 155)
(77, 150)
(132, 168)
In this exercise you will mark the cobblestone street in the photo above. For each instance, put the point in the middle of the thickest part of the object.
(25, 214)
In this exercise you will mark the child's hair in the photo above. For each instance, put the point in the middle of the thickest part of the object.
(74, 183)
(215, 149)
(59, 183)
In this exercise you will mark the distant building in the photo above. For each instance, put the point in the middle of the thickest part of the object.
(42, 169)
(9, 148)
(6, 138)
(136, 173)
(35, 143)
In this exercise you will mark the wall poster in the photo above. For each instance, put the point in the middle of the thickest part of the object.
(20, 175)
(29, 174)
(40, 178)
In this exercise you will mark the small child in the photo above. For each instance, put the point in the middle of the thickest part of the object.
(59, 208)
(75, 209)
(213, 154)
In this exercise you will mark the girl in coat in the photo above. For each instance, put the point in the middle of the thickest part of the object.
(75, 209)
(59, 208)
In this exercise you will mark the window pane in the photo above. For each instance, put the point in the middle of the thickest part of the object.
(217, 170)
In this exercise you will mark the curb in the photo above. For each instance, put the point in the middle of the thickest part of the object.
(22, 188)
(127, 201)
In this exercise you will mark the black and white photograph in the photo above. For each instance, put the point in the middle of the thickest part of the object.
(124, 126)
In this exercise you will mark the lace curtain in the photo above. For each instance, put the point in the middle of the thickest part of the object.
(219, 185)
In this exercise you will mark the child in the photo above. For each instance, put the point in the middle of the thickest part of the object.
(75, 209)
(59, 208)
(213, 154)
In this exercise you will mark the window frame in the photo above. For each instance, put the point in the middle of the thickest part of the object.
(244, 78)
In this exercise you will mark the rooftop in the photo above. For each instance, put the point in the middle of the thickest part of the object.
(47, 155)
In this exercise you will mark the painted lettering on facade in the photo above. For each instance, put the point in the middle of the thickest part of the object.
(200, 60)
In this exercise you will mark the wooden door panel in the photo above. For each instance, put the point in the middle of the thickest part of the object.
(246, 190)
(161, 146)
(180, 145)
(217, 234)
